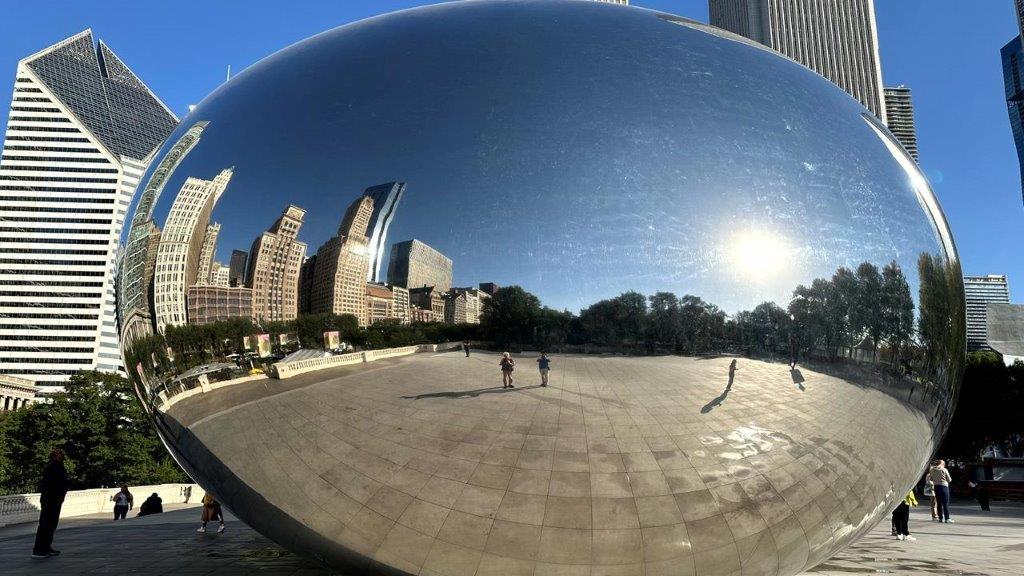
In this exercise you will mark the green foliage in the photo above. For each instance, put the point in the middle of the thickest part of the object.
(990, 411)
(510, 316)
(101, 427)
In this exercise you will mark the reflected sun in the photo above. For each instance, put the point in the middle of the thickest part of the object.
(758, 255)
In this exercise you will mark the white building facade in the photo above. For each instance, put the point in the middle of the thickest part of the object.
(81, 130)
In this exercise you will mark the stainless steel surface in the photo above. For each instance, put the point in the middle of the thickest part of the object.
(582, 151)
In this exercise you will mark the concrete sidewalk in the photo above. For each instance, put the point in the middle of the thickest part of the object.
(979, 543)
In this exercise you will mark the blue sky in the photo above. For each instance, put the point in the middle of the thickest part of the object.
(947, 53)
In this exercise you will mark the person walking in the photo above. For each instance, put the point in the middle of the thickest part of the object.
(153, 505)
(939, 478)
(507, 365)
(732, 372)
(52, 490)
(211, 511)
(901, 517)
(465, 347)
(123, 502)
(544, 364)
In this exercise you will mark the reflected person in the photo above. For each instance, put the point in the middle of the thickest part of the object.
(507, 365)
(732, 372)
(544, 365)
(465, 347)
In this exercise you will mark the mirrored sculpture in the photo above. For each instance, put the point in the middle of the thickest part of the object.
(748, 297)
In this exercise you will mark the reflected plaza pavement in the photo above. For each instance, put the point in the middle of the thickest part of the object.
(632, 465)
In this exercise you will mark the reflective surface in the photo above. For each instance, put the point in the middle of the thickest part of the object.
(656, 200)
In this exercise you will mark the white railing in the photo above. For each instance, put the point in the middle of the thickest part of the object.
(25, 507)
(282, 370)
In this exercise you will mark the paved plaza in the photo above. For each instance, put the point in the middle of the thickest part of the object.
(624, 465)
(980, 543)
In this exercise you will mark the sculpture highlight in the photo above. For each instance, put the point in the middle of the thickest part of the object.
(748, 297)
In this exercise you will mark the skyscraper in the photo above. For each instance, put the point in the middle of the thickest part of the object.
(385, 200)
(177, 255)
(236, 267)
(341, 266)
(81, 130)
(414, 264)
(1013, 82)
(979, 291)
(899, 109)
(135, 315)
(207, 253)
(273, 272)
(837, 39)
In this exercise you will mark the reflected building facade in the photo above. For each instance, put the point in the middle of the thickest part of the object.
(273, 271)
(181, 242)
(385, 201)
(979, 291)
(414, 264)
(209, 303)
(206, 255)
(1013, 83)
(341, 266)
(80, 133)
(236, 267)
(464, 305)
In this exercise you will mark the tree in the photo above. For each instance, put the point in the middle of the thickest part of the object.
(897, 310)
(867, 318)
(510, 316)
(101, 427)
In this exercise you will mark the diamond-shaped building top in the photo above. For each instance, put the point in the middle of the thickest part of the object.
(104, 94)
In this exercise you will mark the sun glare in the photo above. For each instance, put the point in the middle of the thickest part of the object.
(759, 255)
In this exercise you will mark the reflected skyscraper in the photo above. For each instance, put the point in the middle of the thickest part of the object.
(207, 254)
(838, 40)
(177, 256)
(341, 265)
(414, 264)
(236, 267)
(979, 291)
(385, 200)
(81, 131)
(1013, 81)
(136, 289)
(273, 272)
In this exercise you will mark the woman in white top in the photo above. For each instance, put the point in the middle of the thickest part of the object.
(123, 502)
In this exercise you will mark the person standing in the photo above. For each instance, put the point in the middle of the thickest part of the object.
(465, 347)
(544, 364)
(211, 511)
(901, 517)
(939, 478)
(507, 365)
(732, 372)
(52, 490)
(123, 502)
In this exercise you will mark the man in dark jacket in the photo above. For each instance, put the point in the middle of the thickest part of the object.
(52, 490)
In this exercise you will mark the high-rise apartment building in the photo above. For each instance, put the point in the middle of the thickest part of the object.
(414, 264)
(979, 291)
(385, 200)
(1013, 81)
(177, 255)
(220, 275)
(464, 305)
(341, 266)
(80, 133)
(274, 263)
(899, 110)
(837, 39)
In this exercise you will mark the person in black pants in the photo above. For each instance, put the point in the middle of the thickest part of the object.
(52, 489)
(465, 348)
